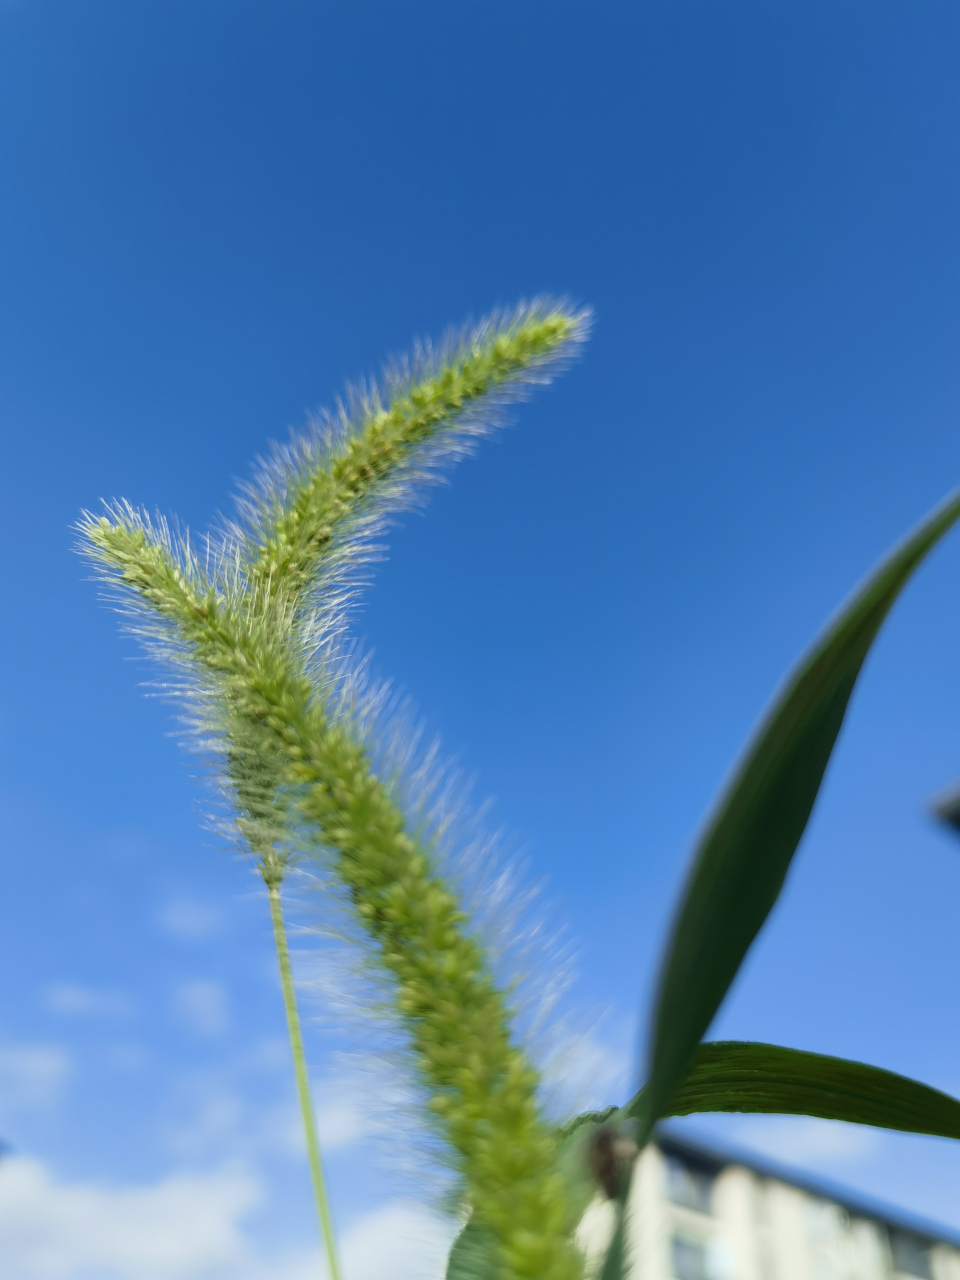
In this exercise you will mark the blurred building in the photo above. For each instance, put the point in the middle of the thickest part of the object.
(699, 1214)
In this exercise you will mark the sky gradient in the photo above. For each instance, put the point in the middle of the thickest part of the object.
(213, 216)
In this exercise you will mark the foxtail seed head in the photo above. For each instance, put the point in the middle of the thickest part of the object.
(299, 768)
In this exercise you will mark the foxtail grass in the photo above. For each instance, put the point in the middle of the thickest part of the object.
(249, 629)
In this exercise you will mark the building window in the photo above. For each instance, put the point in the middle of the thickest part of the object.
(767, 1258)
(826, 1220)
(911, 1254)
(689, 1258)
(688, 1186)
(761, 1201)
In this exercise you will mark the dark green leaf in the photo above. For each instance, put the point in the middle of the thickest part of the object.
(592, 1118)
(613, 1263)
(745, 853)
(741, 1076)
(473, 1256)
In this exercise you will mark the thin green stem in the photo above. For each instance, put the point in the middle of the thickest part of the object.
(303, 1083)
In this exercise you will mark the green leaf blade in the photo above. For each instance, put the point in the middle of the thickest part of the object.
(473, 1255)
(614, 1263)
(745, 853)
(769, 1079)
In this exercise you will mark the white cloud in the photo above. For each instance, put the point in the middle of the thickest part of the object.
(222, 1123)
(203, 1005)
(71, 998)
(218, 1117)
(585, 1071)
(222, 1119)
(126, 1057)
(225, 1121)
(358, 1102)
(272, 1054)
(190, 1227)
(185, 1226)
(193, 921)
(401, 1241)
(32, 1075)
(342, 1122)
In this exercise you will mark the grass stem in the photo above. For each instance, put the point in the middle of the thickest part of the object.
(303, 1082)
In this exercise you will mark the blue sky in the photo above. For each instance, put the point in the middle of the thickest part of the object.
(215, 214)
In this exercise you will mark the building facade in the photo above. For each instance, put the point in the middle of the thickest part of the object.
(697, 1214)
